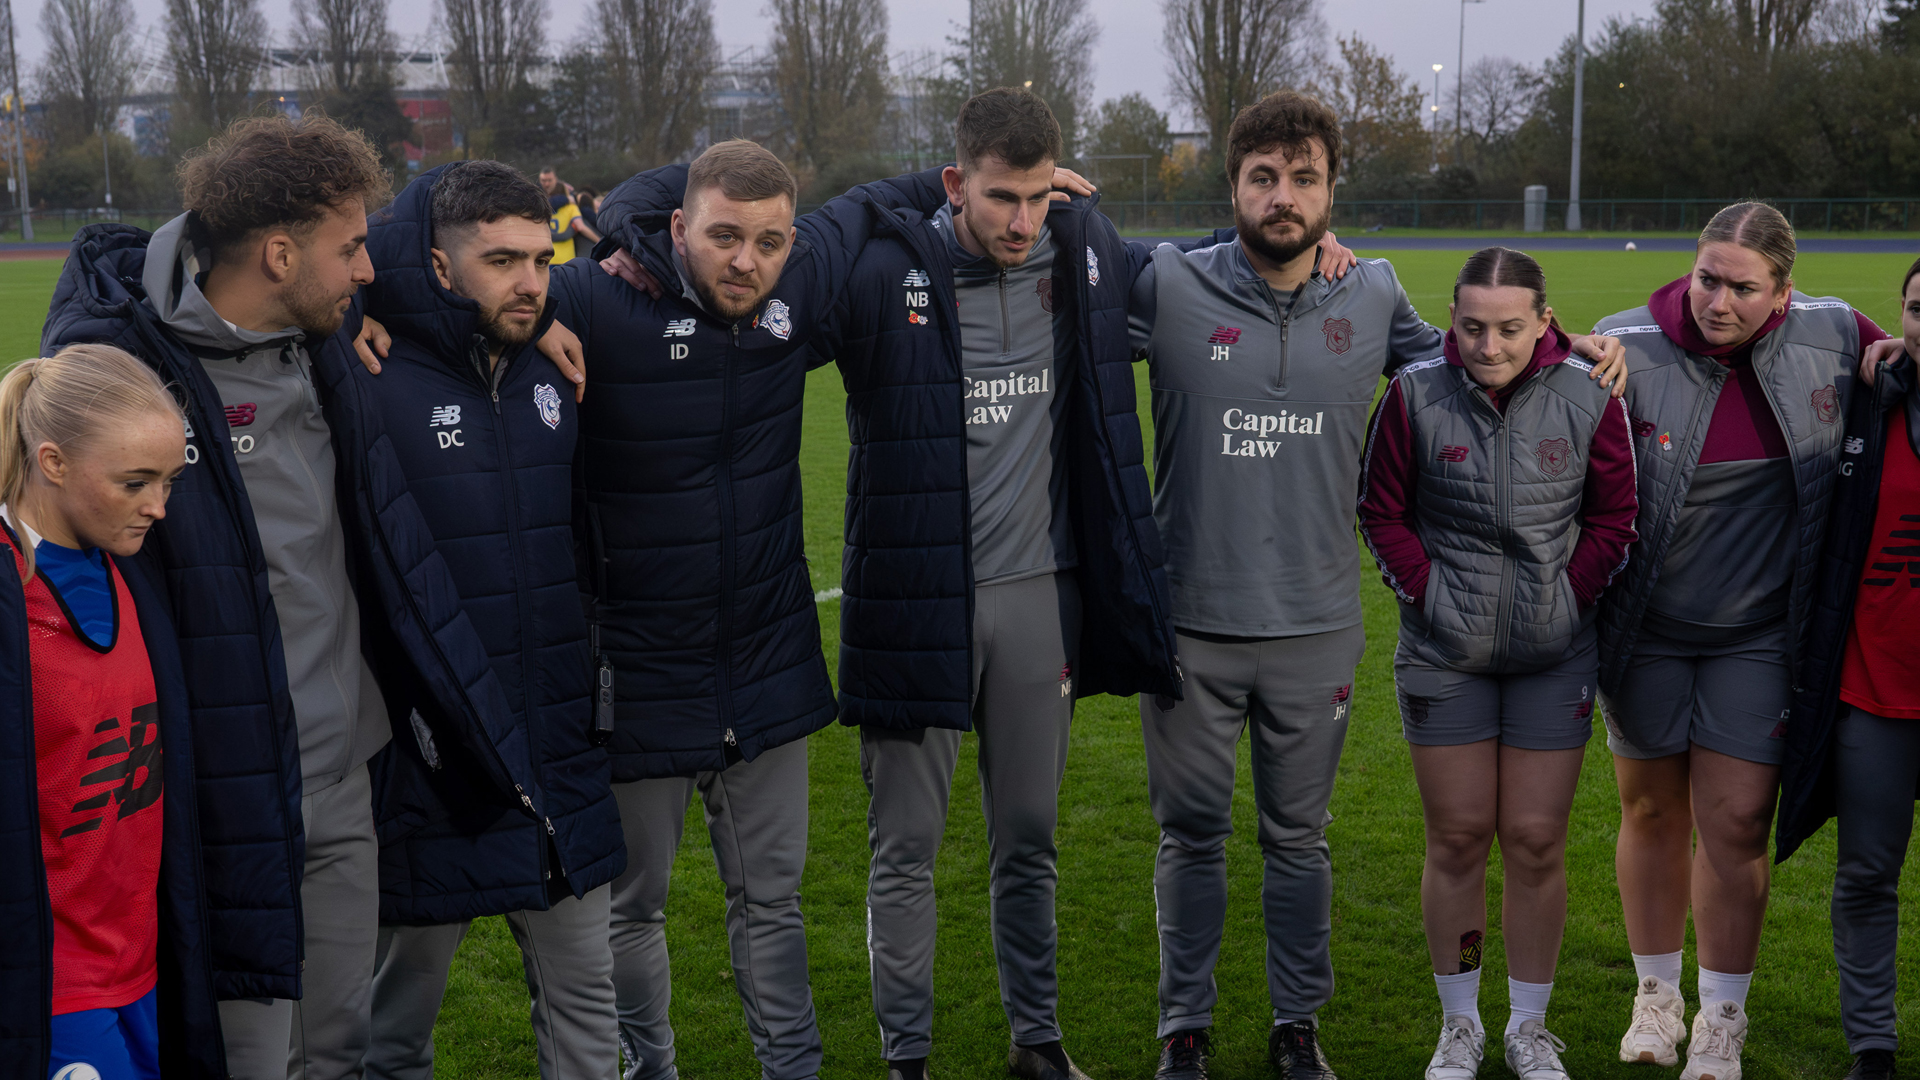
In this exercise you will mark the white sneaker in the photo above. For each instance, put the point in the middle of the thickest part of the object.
(1719, 1034)
(1659, 1023)
(1458, 1056)
(1533, 1053)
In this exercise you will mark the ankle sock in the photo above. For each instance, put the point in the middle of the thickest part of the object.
(1720, 986)
(1526, 1001)
(1460, 996)
(1665, 966)
(910, 1068)
(1055, 1056)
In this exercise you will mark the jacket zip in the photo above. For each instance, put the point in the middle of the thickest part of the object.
(1794, 586)
(1285, 320)
(525, 603)
(1006, 329)
(723, 650)
(1503, 498)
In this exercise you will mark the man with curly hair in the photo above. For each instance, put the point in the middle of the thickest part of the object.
(274, 540)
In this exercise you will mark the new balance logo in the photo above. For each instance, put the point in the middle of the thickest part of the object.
(1224, 335)
(444, 416)
(679, 328)
(917, 279)
(240, 415)
(1856, 445)
(1453, 453)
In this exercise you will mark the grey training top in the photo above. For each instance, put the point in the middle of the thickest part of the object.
(1014, 402)
(1709, 589)
(1260, 412)
(285, 454)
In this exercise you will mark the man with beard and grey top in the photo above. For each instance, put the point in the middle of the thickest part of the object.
(1262, 369)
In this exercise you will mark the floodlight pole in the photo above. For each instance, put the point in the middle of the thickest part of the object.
(973, 48)
(1460, 72)
(1579, 105)
(19, 117)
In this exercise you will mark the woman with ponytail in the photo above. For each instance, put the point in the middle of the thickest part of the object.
(1498, 497)
(90, 443)
(1740, 386)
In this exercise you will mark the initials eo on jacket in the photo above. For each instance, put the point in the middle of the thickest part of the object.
(1497, 511)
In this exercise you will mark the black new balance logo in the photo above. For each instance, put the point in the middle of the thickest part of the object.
(1906, 557)
(1452, 453)
(134, 774)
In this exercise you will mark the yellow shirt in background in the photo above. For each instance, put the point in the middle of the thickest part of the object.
(561, 221)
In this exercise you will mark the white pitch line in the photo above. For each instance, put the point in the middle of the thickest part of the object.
(825, 595)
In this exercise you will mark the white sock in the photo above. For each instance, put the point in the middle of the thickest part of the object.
(1665, 966)
(1720, 986)
(1526, 1001)
(1460, 996)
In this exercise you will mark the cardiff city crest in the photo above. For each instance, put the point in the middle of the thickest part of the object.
(547, 400)
(778, 320)
(1826, 404)
(1339, 334)
(1093, 267)
(1554, 455)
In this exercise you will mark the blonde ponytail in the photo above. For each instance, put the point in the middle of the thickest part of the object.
(68, 399)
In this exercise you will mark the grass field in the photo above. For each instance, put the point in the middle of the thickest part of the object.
(1384, 1015)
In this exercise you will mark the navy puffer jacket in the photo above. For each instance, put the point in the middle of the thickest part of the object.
(906, 620)
(246, 749)
(690, 494)
(488, 458)
(189, 1021)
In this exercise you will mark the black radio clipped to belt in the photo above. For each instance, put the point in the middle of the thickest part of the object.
(602, 689)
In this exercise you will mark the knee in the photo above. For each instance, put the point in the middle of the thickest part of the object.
(1738, 828)
(1532, 849)
(1458, 849)
(1655, 812)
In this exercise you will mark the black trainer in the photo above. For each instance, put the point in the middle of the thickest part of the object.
(907, 1069)
(1042, 1063)
(1183, 1056)
(1295, 1053)
(1872, 1065)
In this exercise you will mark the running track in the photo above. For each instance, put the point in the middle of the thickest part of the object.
(1363, 241)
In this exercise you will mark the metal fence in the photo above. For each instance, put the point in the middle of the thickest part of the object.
(58, 226)
(1602, 215)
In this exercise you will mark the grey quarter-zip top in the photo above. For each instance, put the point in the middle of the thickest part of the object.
(1260, 407)
(1014, 403)
(284, 450)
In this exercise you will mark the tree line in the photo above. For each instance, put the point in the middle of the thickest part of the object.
(1704, 98)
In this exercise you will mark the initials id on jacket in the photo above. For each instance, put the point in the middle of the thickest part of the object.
(1805, 368)
(1260, 410)
(1498, 600)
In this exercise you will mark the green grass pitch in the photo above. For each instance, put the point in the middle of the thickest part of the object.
(1384, 1015)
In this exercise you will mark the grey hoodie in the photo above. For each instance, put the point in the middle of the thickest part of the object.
(285, 453)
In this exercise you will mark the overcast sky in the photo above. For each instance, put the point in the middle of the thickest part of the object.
(1128, 58)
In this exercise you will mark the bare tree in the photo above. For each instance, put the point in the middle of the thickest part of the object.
(218, 47)
(1044, 45)
(1495, 96)
(349, 42)
(493, 46)
(1379, 111)
(1228, 54)
(830, 73)
(656, 56)
(89, 63)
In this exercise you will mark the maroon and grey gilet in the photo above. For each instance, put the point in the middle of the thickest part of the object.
(1806, 368)
(1498, 512)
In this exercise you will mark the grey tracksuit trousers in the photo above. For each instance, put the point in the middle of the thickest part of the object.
(757, 818)
(569, 976)
(1876, 761)
(1025, 642)
(1296, 692)
(324, 1035)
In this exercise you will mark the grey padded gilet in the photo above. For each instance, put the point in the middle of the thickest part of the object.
(1806, 367)
(1499, 524)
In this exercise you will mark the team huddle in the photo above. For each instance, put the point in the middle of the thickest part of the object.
(377, 572)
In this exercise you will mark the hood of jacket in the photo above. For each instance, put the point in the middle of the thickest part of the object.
(1553, 347)
(406, 294)
(171, 279)
(1675, 318)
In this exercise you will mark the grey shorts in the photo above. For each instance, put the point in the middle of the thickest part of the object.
(1541, 710)
(1732, 697)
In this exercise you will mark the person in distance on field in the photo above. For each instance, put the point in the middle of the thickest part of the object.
(94, 713)
(487, 442)
(1499, 501)
(1851, 751)
(1739, 385)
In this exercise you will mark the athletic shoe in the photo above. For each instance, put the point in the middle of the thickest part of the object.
(1659, 1023)
(1875, 1064)
(908, 1069)
(1183, 1056)
(1028, 1064)
(1719, 1034)
(1294, 1050)
(1458, 1056)
(1533, 1053)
